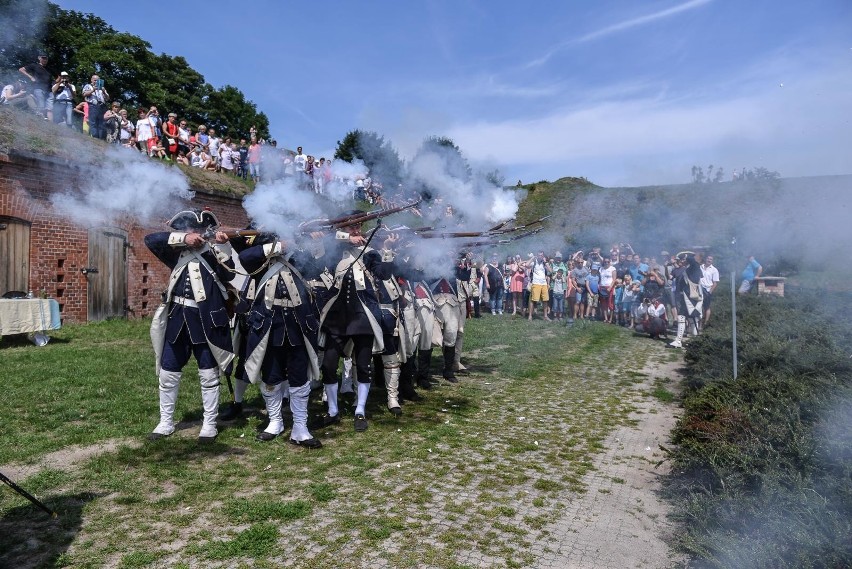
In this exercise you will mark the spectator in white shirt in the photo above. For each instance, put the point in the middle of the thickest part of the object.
(709, 282)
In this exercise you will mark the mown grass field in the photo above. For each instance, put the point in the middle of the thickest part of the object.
(477, 471)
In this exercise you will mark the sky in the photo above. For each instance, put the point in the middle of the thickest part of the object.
(623, 93)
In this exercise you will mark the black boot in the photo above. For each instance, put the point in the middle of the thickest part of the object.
(233, 411)
(449, 361)
(424, 361)
(406, 382)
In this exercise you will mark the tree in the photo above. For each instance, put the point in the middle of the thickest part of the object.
(229, 112)
(378, 155)
(455, 163)
(22, 33)
(84, 44)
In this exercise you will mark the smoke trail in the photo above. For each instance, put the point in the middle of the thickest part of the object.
(281, 206)
(126, 183)
(475, 199)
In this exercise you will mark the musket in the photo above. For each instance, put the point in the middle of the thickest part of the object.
(525, 226)
(449, 234)
(499, 229)
(26, 495)
(353, 219)
(210, 233)
(493, 242)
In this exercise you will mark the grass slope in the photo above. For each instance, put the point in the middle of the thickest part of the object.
(761, 214)
(31, 135)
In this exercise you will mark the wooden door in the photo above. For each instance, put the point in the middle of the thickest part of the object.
(14, 255)
(107, 273)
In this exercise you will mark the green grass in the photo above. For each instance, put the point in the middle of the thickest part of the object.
(761, 466)
(477, 467)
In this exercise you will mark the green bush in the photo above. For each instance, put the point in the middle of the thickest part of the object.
(762, 467)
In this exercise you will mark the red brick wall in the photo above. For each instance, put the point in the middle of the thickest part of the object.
(59, 248)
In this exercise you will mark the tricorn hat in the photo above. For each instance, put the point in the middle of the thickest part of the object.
(193, 219)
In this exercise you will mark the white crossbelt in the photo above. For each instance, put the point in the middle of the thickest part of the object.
(185, 301)
(285, 302)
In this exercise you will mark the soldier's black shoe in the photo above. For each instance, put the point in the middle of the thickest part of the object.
(156, 436)
(360, 423)
(409, 395)
(325, 421)
(310, 443)
(395, 411)
(424, 383)
(207, 440)
(451, 377)
(232, 412)
(264, 436)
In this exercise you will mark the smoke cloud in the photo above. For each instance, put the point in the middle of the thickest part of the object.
(124, 184)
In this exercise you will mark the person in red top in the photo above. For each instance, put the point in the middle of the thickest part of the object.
(254, 160)
(170, 133)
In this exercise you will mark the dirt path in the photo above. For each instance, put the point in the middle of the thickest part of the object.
(621, 521)
(65, 459)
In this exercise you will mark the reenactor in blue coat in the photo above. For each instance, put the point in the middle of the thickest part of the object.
(193, 319)
(353, 314)
(281, 345)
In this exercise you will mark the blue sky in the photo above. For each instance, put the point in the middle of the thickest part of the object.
(621, 92)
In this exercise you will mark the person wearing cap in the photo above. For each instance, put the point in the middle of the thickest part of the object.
(39, 84)
(97, 96)
(688, 296)
(171, 133)
(193, 319)
(63, 92)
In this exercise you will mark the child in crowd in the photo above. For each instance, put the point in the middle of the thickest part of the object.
(618, 301)
(593, 287)
(628, 300)
(559, 290)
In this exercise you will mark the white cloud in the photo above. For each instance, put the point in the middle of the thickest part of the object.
(799, 129)
(642, 20)
(619, 27)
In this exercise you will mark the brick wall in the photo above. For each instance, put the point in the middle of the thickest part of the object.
(59, 248)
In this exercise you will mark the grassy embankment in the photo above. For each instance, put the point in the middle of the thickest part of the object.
(31, 135)
(762, 467)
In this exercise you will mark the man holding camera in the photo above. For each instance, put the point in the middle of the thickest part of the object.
(97, 97)
(63, 99)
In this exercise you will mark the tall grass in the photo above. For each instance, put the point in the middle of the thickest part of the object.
(762, 471)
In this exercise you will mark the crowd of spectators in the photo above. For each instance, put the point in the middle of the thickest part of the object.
(94, 112)
(618, 287)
